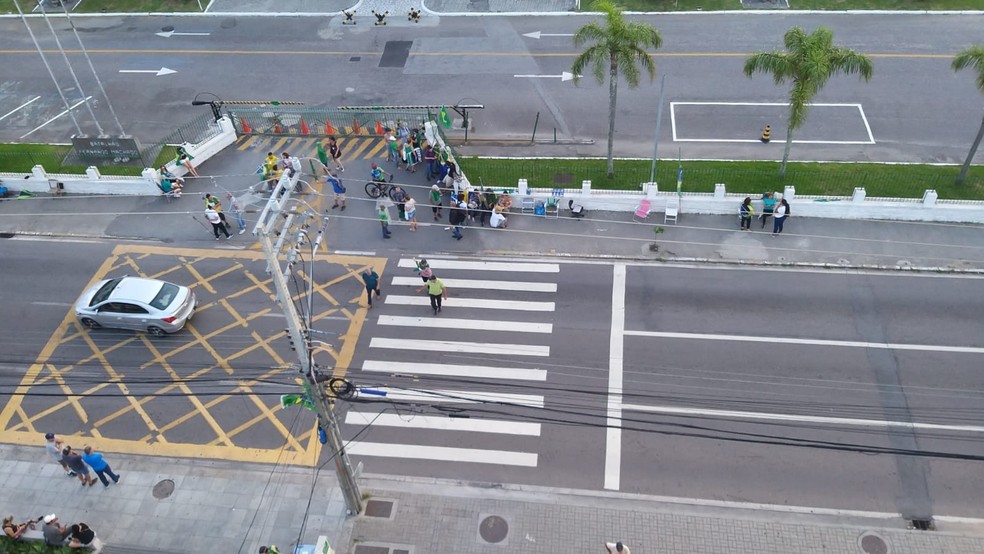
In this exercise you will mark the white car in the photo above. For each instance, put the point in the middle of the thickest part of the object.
(137, 303)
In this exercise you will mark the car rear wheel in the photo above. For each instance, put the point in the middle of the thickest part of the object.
(90, 323)
(156, 331)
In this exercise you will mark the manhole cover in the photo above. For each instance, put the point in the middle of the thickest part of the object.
(379, 508)
(167, 28)
(493, 529)
(163, 489)
(873, 544)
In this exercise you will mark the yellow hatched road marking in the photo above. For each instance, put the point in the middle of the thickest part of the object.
(248, 143)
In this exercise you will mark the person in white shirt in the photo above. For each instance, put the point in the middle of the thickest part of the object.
(497, 220)
(216, 221)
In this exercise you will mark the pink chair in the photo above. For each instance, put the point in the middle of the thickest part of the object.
(642, 212)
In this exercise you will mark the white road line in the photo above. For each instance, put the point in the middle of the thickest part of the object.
(794, 141)
(18, 108)
(354, 252)
(519, 267)
(477, 371)
(444, 423)
(77, 104)
(613, 435)
(459, 397)
(857, 422)
(521, 286)
(519, 305)
(28, 238)
(461, 346)
(479, 324)
(813, 342)
(443, 453)
(57, 304)
(673, 105)
(818, 104)
(866, 126)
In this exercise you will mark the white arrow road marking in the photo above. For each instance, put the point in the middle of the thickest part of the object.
(169, 34)
(565, 76)
(538, 34)
(158, 72)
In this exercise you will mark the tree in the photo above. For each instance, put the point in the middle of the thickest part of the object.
(972, 57)
(620, 47)
(809, 61)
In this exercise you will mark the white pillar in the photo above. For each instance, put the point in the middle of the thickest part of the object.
(929, 198)
(586, 187)
(151, 175)
(92, 172)
(651, 190)
(523, 187)
(719, 191)
(38, 172)
(859, 195)
(789, 193)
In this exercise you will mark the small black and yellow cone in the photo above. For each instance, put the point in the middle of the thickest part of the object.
(767, 134)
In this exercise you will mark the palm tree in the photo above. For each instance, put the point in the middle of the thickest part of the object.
(617, 46)
(971, 57)
(809, 60)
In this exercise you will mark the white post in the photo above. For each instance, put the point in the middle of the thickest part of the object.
(92, 172)
(586, 187)
(523, 187)
(789, 193)
(859, 195)
(719, 191)
(651, 190)
(38, 172)
(929, 198)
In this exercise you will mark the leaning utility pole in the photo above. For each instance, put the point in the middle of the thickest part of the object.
(300, 335)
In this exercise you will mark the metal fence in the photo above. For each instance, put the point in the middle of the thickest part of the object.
(197, 130)
(340, 121)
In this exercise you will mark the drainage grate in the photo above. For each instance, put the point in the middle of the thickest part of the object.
(355, 58)
(493, 529)
(163, 489)
(379, 508)
(872, 544)
(923, 524)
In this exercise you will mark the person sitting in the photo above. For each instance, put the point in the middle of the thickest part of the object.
(497, 220)
(81, 536)
(170, 183)
(55, 534)
(13, 530)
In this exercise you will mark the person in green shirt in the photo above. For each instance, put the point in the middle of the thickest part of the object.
(437, 292)
(435, 199)
(383, 214)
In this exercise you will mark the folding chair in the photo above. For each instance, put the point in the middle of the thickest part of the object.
(552, 207)
(672, 209)
(528, 205)
(642, 211)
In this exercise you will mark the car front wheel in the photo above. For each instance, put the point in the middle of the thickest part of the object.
(90, 323)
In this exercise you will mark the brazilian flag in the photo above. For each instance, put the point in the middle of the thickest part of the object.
(302, 400)
(445, 120)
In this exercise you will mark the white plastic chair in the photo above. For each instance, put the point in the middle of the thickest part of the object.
(672, 209)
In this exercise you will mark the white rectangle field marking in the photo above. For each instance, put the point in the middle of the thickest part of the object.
(476, 371)
(478, 303)
(458, 397)
(444, 423)
(481, 284)
(443, 453)
(460, 346)
(452, 323)
(517, 267)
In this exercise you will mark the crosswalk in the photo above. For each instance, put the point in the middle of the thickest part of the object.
(460, 386)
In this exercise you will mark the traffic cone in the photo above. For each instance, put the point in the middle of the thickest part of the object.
(247, 130)
(767, 133)
(276, 128)
(304, 127)
(329, 130)
(379, 128)
(355, 127)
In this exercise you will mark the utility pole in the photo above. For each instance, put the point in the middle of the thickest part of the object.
(300, 333)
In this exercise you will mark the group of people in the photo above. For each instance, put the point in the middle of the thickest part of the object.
(77, 464)
(464, 205)
(436, 289)
(773, 206)
(78, 535)
(273, 168)
(216, 217)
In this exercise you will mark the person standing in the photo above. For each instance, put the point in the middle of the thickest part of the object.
(53, 445)
(768, 207)
(99, 465)
(336, 153)
(779, 219)
(436, 199)
(456, 218)
(392, 148)
(337, 190)
(617, 548)
(382, 212)
(410, 209)
(371, 280)
(270, 162)
(400, 197)
(745, 213)
(237, 211)
(216, 204)
(437, 292)
(75, 463)
(430, 161)
(216, 221)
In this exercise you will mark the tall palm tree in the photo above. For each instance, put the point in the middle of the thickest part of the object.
(809, 60)
(972, 57)
(617, 46)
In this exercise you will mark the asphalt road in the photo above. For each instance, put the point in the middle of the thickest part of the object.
(916, 107)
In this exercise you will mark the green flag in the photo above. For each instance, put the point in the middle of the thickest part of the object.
(322, 155)
(445, 120)
(302, 400)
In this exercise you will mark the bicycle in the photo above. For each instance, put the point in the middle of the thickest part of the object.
(375, 189)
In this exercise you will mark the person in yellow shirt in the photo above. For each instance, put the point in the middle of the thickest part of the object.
(437, 292)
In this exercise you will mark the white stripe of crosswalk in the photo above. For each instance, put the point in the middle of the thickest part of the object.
(461, 346)
(519, 267)
(457, 397)
(476, 371)
(518, 305)
(483, 284)
(443, 423)
(443, 453)
(475, 324)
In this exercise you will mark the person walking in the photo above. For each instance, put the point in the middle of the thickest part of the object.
(99, 465)
(382, 212)
(436, 198)
(437, 292)
(410, 209)
(768, 207)
(336, 153)
(456, 218)
(371, 280)
(216, 204)
(337, 190)
(779, 218)
(216, 221)
(617, 548)
(237, 211)
(75, 463)
(53, 445)
(745, 213)
(423, 270)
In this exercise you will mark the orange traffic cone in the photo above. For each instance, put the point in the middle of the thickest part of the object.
(355, 127)
(379, 128)
(304, 128)
(329, 130)
(247, 130)
(276, 128)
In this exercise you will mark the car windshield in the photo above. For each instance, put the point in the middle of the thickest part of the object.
(104, 291)
(165, 296)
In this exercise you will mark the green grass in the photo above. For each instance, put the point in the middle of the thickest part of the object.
(115, 6)
(20, 158)
(714, 5)
(811, 179)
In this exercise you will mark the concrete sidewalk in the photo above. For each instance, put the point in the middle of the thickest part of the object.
(174, 506)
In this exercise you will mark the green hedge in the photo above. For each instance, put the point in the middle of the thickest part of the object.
(9, 546)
